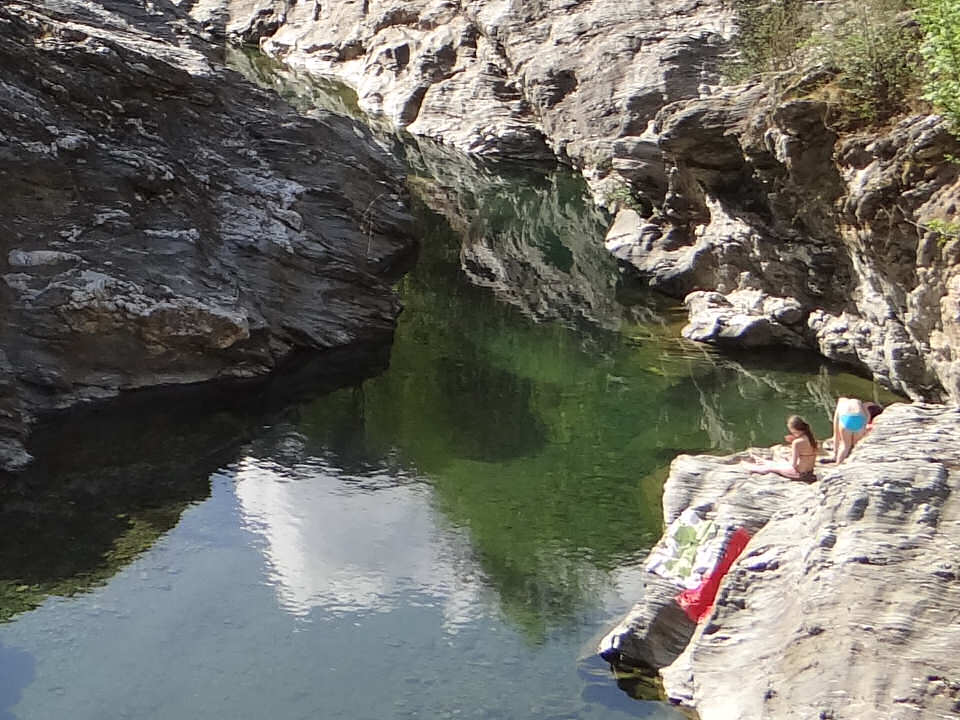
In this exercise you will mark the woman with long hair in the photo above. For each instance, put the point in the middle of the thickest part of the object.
(803, 454)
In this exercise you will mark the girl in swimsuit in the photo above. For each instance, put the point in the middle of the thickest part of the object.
(850, 423)
(803, 454)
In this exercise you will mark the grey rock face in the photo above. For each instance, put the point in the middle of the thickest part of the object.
(530, 234)
(736, 189)
(520, 79)
(838, 574)
(744, 318)
(166, 222)
(836, 235)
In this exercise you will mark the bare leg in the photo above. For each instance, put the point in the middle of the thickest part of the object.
(837, 434)
(843, 446)
(847, 441)
(783, 469)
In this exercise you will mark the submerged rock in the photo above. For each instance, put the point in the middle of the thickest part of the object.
(843, 604)
(165, 221)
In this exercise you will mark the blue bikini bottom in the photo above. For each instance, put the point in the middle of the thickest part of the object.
(853, 423)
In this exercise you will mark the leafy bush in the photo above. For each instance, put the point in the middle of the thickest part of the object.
(622, 196)
(770, 35)
(870, 45)
(940, 20)
(874, 48)
(946, 231)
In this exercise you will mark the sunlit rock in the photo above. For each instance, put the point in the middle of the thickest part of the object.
(842, 604)
(768, 197)
(513, 79)
(744, 318)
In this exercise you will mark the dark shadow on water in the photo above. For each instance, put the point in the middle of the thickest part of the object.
(17, 671)
(635, 692)
(111, 477)
(488, 411)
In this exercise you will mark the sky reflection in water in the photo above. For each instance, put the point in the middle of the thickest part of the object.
(311, 516)
(294, 595)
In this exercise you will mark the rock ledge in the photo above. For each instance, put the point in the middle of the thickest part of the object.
(843, 605)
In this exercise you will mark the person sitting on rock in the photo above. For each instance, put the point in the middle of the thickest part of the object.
(803, 454)
(852, 420)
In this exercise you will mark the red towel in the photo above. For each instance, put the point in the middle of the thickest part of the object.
(698, 602)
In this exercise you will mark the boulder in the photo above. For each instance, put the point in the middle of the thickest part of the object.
(744, 318)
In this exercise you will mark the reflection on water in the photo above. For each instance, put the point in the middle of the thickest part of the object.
(109, 480)
(445, 539)
(194, 628)
(18, 673)
(311, 515)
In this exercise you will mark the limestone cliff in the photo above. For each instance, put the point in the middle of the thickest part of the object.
(844, 603)
(165, 222)
(518, 79)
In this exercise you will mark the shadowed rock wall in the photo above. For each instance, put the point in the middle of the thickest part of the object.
(165, 222)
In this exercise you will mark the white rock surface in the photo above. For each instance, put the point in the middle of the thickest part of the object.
(845, 602)
(502, 77)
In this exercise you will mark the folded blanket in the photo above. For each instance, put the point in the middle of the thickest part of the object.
(698, 602)
(688, 552)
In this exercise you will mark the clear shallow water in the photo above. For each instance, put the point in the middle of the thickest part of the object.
(446, 539)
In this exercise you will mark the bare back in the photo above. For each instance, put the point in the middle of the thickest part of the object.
(803, 455)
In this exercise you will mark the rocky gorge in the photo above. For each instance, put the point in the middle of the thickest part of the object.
(773, 226)
(778, 228)
(164, 228)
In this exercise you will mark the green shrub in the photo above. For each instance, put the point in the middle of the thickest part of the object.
(873, 46)
(947, 231)
(622, 196)
(940, 21)
(770, 34)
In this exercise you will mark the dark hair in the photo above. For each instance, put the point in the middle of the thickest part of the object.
(795, 422)
(873, 409)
